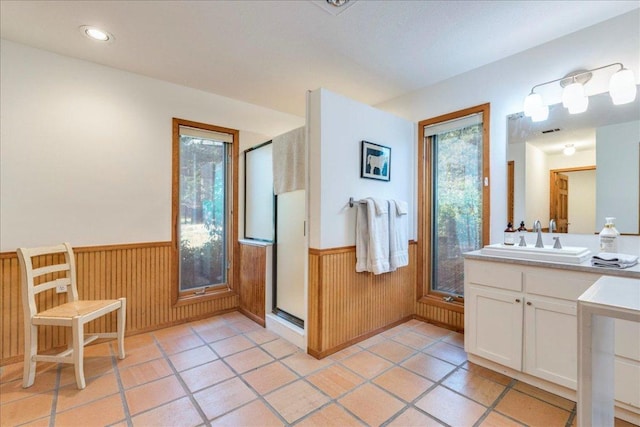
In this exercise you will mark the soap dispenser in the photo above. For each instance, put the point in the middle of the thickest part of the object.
(609, 236)
(509, 235)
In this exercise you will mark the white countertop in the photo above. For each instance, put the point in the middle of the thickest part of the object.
(614, 292)
(631, 272)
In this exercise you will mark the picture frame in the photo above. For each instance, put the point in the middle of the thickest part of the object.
(375, 161)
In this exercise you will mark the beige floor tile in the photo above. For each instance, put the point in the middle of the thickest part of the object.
(245, 325)
(280, 348)
(10, 391)
(495, 419)
(487, 373)
(412, 417)
(447, 352)
(224, 397)
(208, 323)
(371, 404)
(413, 339)
(139, 354)
(474, 386)
(335, 380)
(13, 372)
(343, 354)
(143, 373)
(391, 350)
(93, 367)
(180, 412)
(206, 375)
(27, 409)
(432, 330)
(217, 333)
(102, 349)
(254, 414)
(330, 415)
(296, 400)
(371, 341)
(191, 358)
(545, 395)
(248, 360)
(233, 316)
(153, 394)
(451, 408)
(269, 377)
(455, 338)
(261, 336)
(137, 341)
(366, 364)
(531, 411)
(304, 364)
(69, 396)
(100, 412)
(231, 345)
(403, 383)
(42, 422)
(428, 366)
(179, 344)
(173, 332)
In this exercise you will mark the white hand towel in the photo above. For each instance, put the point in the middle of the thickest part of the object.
(613, 260)
(362, 238)
(398, 234)
(382, 206)
(378, 238)
(289, 154)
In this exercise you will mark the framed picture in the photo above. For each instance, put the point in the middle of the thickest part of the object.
(375, 161)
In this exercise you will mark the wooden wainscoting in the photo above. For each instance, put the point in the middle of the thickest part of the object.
(139, 272)
(346, 307)
(253, 270)
(441, 314)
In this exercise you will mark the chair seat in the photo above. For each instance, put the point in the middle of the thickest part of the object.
(77, 308)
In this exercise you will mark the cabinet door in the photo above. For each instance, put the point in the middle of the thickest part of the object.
(495, 325)
(627, 364)
(551, 340)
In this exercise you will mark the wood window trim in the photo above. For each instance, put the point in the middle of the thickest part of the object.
(423, 271)
(186, 298)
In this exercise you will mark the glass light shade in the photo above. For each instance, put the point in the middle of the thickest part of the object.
(532, 103)
(541, 114)
(622, 87)
(574, 99)
(569, 150)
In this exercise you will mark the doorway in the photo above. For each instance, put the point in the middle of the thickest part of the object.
(570, 201)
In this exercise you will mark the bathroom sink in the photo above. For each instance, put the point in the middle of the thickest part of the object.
(568, 254)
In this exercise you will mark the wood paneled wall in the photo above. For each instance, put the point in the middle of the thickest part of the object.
(253, 268)
(139, 272)
(440, 315)
(346, 307)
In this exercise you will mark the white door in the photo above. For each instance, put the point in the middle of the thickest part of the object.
(551, 341)
(495, 325)
(291, 253)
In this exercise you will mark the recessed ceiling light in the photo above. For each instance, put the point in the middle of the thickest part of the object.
(95, 33)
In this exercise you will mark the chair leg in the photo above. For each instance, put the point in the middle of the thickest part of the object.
(122, 317)
(30, 350)
(78, 351)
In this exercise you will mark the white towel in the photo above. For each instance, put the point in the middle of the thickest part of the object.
(613, 260)
(362, 238)
(398, 234)
(378, 250)
(289, 153)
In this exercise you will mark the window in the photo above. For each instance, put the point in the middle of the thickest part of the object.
(454, 197)
(204, 185)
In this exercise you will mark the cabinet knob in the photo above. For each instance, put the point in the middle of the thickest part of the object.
(517, 299)
(528, 302)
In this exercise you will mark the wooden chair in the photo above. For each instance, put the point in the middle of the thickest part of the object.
(73, 314)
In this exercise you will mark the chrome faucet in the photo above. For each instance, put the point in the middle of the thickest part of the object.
(552, 225)
(537, 226)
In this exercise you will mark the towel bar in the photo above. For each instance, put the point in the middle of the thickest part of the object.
(352, 201)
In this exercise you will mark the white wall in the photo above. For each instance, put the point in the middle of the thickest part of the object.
(505, 84)
(86, 149)
(337, 127)
(582, 202)
(537, 186)
(618, 175)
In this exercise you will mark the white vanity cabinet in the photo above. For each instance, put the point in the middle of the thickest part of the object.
(522, 320)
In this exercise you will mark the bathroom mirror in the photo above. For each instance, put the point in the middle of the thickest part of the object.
(600, 179)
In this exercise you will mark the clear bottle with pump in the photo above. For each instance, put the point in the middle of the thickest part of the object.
(609, 236)
(522, 231)
(509, 235)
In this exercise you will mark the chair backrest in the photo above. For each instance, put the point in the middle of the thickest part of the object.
(50, 256)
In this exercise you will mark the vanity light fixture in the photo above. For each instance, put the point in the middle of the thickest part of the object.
(569, 150)
(95, 33)
(622, 89)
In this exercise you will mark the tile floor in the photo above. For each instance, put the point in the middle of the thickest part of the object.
(228, 371)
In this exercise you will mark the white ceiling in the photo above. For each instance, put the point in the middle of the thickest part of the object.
(270, 52)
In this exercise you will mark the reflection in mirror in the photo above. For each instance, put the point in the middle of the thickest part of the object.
(600, 179)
